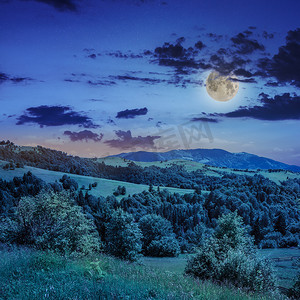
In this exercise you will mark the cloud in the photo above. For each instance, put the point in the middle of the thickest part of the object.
(205, 119)
(225, 64)
(215, 37)
(84, 135)
(175, 55)
(146, 80)
(120, 54)
(61, 5)
(245, 45)
(243, 72)
(54, 116)
(110, 121)
(5, 77)
(89, 79)
(95, 100)
(267, 35)
(281, 107)
(247, 80)
(101, 82)
(71, 80)
(272, 84)
(285, 65)
(199, 45)
(125, 140)
(131, 113)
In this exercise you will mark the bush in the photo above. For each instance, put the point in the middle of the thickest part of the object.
(121, 190)
(288, 241)
(205, 265)
(166, 246)
(11, 231)
(53, 221)
(123, 236)
(229, 256)
(247, 271)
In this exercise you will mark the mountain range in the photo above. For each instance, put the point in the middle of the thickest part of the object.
(212, 157)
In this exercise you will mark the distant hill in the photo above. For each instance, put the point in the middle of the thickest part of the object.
(212, 157)
(105, 187)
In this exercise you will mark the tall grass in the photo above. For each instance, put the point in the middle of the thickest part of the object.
(28, 274)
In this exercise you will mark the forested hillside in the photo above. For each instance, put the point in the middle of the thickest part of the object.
(270, 212)
(225, 217)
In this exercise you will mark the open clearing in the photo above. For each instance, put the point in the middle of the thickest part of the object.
(105, 187)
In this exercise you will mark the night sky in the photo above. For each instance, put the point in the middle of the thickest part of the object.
(96, 78)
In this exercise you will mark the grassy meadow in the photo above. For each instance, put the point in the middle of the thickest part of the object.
(190, 166)
(28, 274)
(105, 187)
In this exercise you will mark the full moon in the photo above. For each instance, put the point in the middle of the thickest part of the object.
(221, 88)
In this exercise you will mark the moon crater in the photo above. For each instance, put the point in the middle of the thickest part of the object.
(220, 87)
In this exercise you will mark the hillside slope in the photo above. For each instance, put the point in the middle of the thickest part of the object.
(105, 187)
(212, 157)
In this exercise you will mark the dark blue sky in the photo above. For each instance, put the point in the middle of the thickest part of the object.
(94, 78)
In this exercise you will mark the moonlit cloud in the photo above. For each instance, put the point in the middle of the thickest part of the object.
(84, 135)
(125, 141)
(54, 116)
(131, 113)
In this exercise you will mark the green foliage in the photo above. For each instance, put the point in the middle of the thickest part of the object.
(248, 271)
(11, 231)
(121, 190)
(165, 246)
(22, 278)
(229, 256)
(95, 271)
(47, 261)
(53, 221)
(123, 236)
(294, 291)
(230, 232)
(158, 237)
(205, 265)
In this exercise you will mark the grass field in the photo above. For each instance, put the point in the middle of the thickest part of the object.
(104, 187)
(277, 177)
(286, 270)
(30, 275)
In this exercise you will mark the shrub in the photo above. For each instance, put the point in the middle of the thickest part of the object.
(247, 271)
(166, 246)
(53, 221)
(230, 256)
(121, 190)
(68, 183)
(268, 244)
(205, 265)
(230, 232)
(123, 236)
